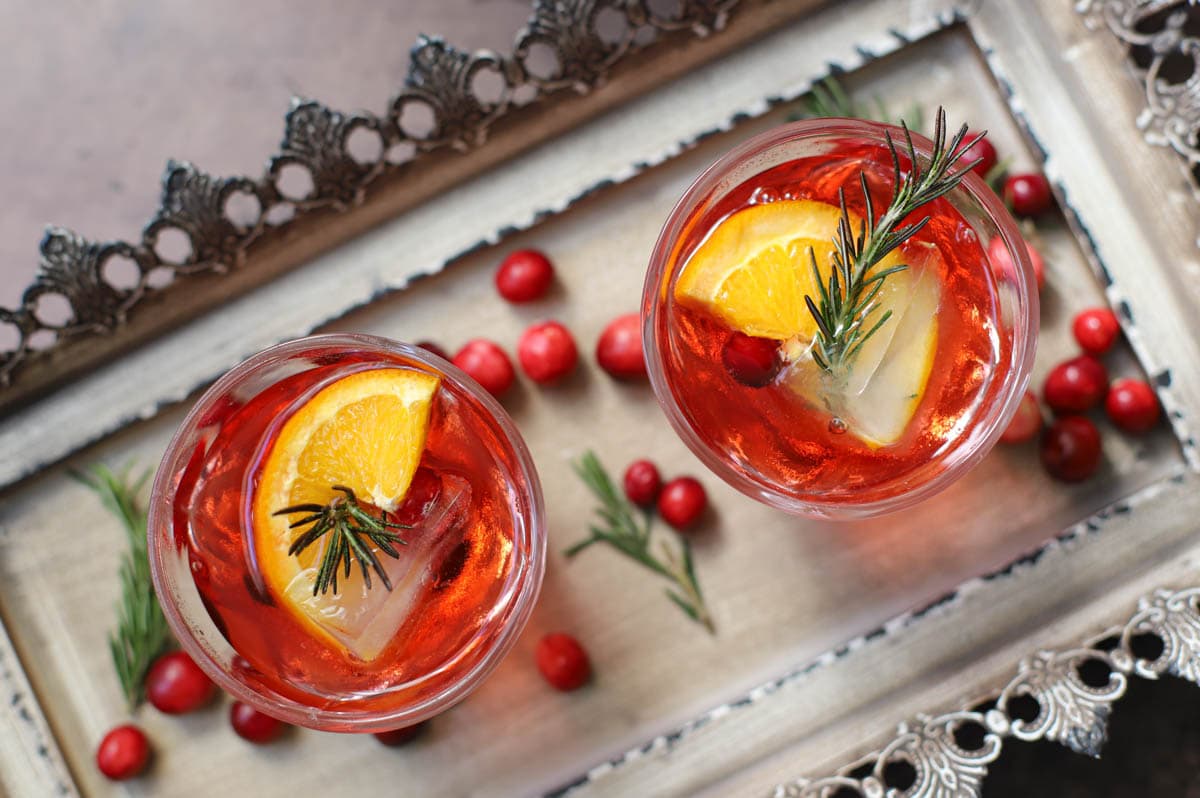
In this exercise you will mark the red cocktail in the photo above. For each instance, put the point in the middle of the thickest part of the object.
(347, 532)
(743, 338)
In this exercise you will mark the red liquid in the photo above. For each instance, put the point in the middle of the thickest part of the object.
(772, 434)
(466, 580)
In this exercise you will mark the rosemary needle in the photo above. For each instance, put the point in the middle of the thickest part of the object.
(349, 528)
(617, 525)
(141, 633)
(844, 309)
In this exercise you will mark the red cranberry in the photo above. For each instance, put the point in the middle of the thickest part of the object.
(123, 753)
(1039, 266)
(562, 661)
(1096, 329)
(175, 684)
(430, 346)
(642, 483)
(1026, 422)
(682, 502)
(1075, 385)
(422, 492)
(547, 352)
(487, 364)
(1027, 194)
(619, 350)
(1071, 449)
(252, 725)
(1132, 405)
(983, 150)
(398, 737)
(751, 361)
(1002, 262)
(525, 275)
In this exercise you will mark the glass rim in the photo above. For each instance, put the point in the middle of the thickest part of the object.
(993, 419)
(528, 569)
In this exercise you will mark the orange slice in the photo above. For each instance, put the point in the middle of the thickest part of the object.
(754, 271)
(365, 431)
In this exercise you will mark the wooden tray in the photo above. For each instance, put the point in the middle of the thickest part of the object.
(822, 642)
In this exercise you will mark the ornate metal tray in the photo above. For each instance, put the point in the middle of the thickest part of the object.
(935, 621)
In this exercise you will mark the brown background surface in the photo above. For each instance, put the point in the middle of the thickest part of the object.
(100, 93)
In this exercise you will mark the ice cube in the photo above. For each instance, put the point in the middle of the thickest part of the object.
(366, 620)
(897, 294)
(881, 410)
(882, 388)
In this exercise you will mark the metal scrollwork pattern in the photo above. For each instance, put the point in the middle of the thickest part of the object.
(584, 38)
(194, 203)
(944, 769)
(570, 30)
(442, 78)
(315, 140)
(945, 763)
(73, 268)
(702, 16)
(1070, 712)
(1174, 619)
(1156, 31)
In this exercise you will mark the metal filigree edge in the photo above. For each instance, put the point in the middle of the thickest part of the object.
(328, 160)
(1064, 704)
(1156, 28)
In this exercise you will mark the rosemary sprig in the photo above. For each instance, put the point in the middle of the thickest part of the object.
(829, 98)
(619, 527)
(141, 633)
(347, 524)
(845, 305)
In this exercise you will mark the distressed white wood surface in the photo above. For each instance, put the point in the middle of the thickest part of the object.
(947, 659)
(164, 371)
(1074, 94)
(783, 590)
(32, 762)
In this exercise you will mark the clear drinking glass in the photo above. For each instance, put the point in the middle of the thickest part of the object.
(470, 574)
(777, 441)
